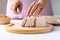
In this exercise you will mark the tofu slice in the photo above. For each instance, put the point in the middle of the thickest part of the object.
(50, 19)
(57, 17)
(24, 21)
(30, 21)
(40, 21)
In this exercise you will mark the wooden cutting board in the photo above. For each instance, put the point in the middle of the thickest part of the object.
(28, 30)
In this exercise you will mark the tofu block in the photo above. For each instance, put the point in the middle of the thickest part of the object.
(57, 18)
(40, 21)
(30, 21)
(24, 21)
(50, 19)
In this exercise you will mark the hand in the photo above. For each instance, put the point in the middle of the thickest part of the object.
(36, 7)
(16, 6)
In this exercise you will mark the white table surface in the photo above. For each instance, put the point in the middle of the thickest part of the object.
(54, 35)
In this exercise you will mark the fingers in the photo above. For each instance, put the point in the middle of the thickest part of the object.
(41, 9)
(34, 8)
(29, 9)
(17, 7)
(14, 9)
(37, 11)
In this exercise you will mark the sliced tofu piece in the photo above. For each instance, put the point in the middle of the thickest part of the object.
(30, 21)
(40, 21)
(50, 19)
(24, 21)
(57, 18)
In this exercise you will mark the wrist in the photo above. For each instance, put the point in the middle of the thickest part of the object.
(43, 2)
(14, 1)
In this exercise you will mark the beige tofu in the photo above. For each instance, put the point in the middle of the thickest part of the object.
(40, 21)
(30, 21)
(24, 21)
(50, 19)
(57, 18)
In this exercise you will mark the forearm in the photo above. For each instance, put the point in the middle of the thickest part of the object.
(43, 2)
